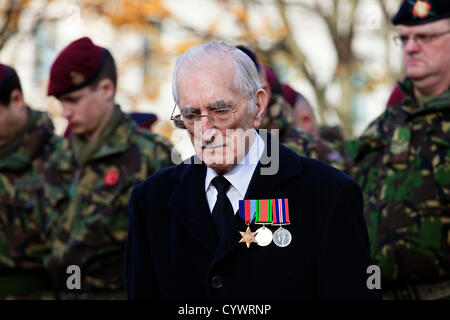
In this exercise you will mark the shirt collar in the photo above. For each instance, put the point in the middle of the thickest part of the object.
(240, 176)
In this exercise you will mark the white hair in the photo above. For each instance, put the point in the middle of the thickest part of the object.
(246, 76)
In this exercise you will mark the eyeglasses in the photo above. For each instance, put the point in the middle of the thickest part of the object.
(220, 117)
(420, 39)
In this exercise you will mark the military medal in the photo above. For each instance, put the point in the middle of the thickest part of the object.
(263, 216)
(244, 212)
(248, 236)
(280, 210)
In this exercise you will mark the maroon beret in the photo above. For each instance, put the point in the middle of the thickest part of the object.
(3, 69)
(289, 94)
(396, 96)
(270, 76)
(75, 67)
(272, 80)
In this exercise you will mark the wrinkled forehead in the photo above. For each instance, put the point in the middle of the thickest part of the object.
(213, 78)
(203, 65)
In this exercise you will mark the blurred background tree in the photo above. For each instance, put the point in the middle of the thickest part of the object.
(338, 53)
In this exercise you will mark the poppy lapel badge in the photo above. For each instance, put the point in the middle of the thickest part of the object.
(111, 177)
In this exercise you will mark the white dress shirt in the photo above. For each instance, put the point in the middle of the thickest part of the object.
(239, 176)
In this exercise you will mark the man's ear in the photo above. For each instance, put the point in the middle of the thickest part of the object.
(268, 90)
(16, 99)
(261, 103)
(107, 88)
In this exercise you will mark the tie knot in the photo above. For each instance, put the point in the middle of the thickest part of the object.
(222, 184)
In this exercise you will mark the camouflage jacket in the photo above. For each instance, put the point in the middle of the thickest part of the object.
(91, 233)
(402, 162)
(30, 192)
(279, 116)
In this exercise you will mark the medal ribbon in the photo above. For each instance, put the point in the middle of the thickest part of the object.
(245, 210)
(263, 211)
(280, 211)
(274, 211)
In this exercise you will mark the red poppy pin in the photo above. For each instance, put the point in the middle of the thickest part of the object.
(111, 177)
(421, 9)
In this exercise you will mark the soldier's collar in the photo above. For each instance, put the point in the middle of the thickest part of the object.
(411, 103)
(119, 140)
(438, 103)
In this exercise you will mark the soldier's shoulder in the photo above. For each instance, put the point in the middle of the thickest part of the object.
(60, 154)
(332, 134)
(154, 149)
(306, 144)
(298, 137)
(383, 125)
(145, 137)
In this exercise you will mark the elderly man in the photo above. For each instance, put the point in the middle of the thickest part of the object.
(402, 162)
(190, 233)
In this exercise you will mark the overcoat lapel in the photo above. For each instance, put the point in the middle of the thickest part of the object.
(190, 206)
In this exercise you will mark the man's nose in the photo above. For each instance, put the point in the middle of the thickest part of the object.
(206, 124)
(411, 45)
(67, 110)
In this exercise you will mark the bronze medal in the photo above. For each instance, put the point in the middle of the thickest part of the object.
(248, 237)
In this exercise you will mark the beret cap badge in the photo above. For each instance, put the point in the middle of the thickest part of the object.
(421, 9)
(77, 78)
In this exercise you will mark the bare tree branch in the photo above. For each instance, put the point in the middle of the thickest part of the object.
(7, 29)
(301, 61)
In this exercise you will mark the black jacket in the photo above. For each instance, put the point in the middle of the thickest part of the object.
(173, 251)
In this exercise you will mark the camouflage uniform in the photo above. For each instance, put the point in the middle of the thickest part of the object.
(333, 136)
(30, 192)
(91, 233)
(402, 162)
(279, 116)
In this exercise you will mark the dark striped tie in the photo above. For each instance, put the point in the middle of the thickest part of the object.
(223, 210)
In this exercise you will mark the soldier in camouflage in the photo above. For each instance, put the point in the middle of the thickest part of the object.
(104, 158)
(279, 116)
(30, 192)
(402, 162)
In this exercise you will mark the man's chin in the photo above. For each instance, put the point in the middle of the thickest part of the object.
(218, 161)
(219, 168)
(416, 73)
(77, 130)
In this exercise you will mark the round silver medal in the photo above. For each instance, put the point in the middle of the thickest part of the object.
(263, 236)
(282, 237)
